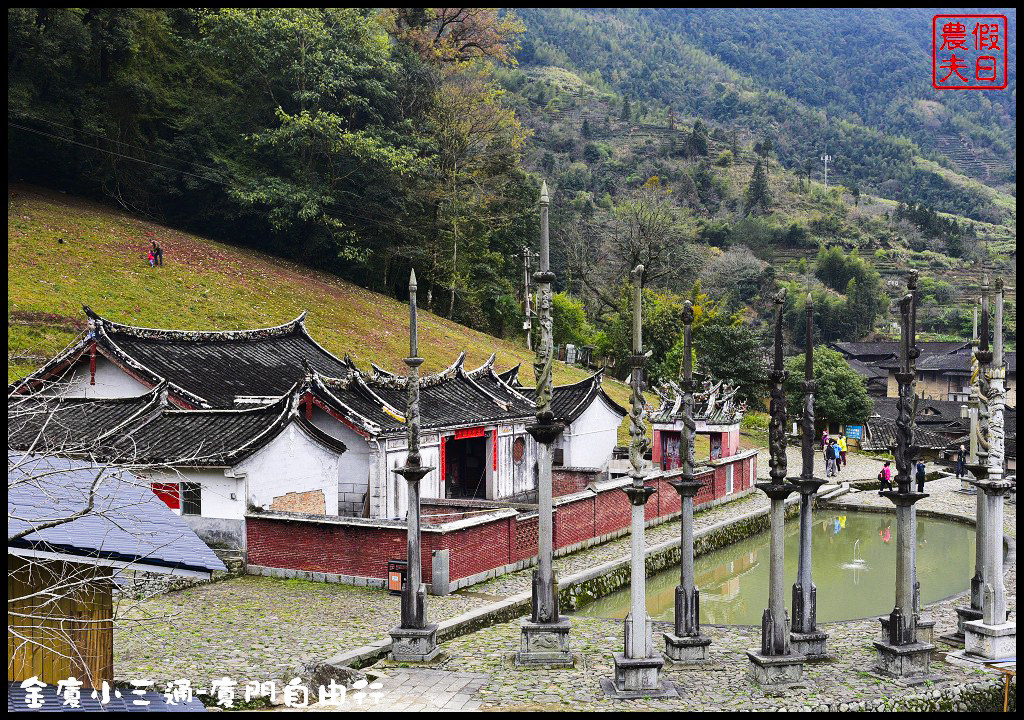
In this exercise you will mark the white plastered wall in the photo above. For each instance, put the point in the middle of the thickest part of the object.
(111, 381)
(293, 462)
(590, 439)
(354, 466)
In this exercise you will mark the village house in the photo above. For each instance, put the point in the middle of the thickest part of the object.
(210, 466)
(220, 434)
(61, 575)
(943, 369)
(590, 417)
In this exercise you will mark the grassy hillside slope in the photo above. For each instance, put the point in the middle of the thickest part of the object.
(63, 252)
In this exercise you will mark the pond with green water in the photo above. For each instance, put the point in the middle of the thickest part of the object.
(854, 570)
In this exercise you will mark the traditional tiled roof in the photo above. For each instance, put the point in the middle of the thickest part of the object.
(725, 411)
(204, 368)
(867, 370)
(511, 377)
(960, 363)
(127, 522)
(881, 349)
(42, 423)
(934, 354)
(929, 412)
(568, 402)
(881, 436)
(451, 398)
(159, 434)
(492, 382)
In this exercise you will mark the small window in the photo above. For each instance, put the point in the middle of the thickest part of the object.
(728, 479)
(191, 498)
(518, 450)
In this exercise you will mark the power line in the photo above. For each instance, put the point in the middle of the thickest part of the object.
(111, 152)
(119, 142)
(403, 226)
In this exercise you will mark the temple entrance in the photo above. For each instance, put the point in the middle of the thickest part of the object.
(466, 468)
(670, 447)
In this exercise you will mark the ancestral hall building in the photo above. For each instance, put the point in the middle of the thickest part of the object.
(241, 422)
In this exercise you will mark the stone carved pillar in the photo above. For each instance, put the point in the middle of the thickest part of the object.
(637, 668)
(687, 644)
(544, 638)
(776, 663)
(901, 653)
(805, 637)
(414, 640)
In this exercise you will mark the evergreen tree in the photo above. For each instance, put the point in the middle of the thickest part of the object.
(627, 111)
(698, 144)
(585, 129)
(842, 394)
(758, 194)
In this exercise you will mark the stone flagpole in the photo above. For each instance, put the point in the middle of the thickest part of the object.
(544, 638)
(776, 662)
(686, 644)
(993, 637)
(901, 653)
(637, 669)
(925, 625)
(415, 640)
(978, 465)
(806, 639)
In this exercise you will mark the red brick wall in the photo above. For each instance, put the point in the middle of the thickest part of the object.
(566, 481)
(363, 551)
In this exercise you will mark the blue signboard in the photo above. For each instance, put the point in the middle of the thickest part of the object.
(854, 432)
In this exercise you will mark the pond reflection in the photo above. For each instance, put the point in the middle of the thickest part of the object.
(854, 571)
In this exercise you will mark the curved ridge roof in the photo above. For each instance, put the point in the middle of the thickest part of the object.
(211, 368)
(568, 402)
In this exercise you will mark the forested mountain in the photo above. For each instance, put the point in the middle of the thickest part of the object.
(364, 142)
(854, 83)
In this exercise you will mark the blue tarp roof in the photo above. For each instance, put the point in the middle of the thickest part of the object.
(127, 522)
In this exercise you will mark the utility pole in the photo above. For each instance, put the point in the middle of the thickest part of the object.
(527, 316)
(826, 159)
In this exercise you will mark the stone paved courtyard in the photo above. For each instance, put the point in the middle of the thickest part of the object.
(263, 628)
(256, 628)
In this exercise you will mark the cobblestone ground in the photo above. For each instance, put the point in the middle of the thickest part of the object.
(255, 628)
(858, 466)
(723, 683)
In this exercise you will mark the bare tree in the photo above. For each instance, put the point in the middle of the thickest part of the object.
(61, 603)
(645, 230)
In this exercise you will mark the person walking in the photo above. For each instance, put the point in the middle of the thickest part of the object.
(159, 254)
(961, 462)
(920, 476)
(830, 459)
(842, 450)
(885, 478)
(151, 258)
